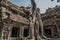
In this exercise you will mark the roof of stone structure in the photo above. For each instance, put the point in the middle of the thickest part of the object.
(19, 18)
(16, 13)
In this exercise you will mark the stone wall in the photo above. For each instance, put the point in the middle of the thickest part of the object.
(14, 19)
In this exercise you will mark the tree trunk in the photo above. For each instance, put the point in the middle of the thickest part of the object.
(41, 24)
(32, 21)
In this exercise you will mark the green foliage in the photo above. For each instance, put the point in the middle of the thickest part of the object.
(57, 0)
(28, 7)
(38, 9)
(52, 0)
(55, 9)
(22, 7)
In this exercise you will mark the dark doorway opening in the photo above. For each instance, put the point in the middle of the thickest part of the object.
(39, 30)
(47, 32)
(26, 32)
(15, 32)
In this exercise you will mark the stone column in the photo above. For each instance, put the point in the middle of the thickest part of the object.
(22, 32)
(52, 31)
(3, 11)
(9, 32)
(57, 34)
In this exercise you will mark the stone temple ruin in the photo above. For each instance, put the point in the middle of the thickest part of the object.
(15, 24)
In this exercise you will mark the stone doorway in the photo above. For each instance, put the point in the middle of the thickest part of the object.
(15, 32)
(26, 32)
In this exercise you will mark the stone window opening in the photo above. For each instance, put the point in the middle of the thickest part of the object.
(26, 32)
(39, 30)
(47, 32)
(15, 32)
(12, 21)
(58, 16)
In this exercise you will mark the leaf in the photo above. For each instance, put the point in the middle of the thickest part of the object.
(58, 0)
(52, 0)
